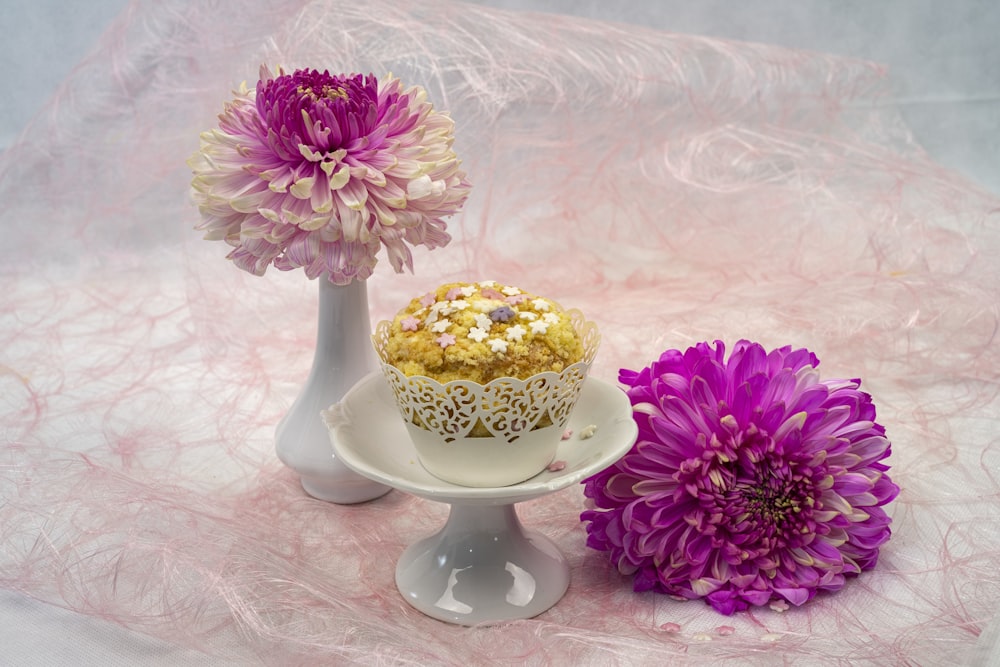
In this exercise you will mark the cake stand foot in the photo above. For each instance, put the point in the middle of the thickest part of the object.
(482, 567)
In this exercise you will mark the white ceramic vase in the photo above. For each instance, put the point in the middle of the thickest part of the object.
(343, 356)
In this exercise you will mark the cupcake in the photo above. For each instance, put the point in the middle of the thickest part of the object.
(485, 376)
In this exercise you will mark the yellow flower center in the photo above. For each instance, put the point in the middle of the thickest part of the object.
(327, 91)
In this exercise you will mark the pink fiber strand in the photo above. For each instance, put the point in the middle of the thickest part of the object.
(674, 188)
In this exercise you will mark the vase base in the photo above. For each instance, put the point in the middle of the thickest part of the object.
(343, 492)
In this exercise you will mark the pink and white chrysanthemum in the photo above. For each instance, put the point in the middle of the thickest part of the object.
(752, 480)
(318, 172)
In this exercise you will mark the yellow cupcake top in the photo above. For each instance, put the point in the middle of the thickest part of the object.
(480, 332)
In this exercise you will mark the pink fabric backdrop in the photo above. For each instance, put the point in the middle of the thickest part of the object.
(675, 188)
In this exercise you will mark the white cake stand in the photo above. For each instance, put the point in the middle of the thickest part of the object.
(483, 566)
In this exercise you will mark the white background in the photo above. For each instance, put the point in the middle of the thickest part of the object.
(943, 57)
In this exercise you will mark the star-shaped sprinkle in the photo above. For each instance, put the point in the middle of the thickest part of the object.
(511, 291)
(551, 318)
(539, 326)
(409, 323)
(439, 305)
(459, 304)
(498, 345)
(491, 293)
(540, 304)
(444, 340)
(428, 300)
(468, 290)
(431, 317)
(515, 299)
(477, 334)
(526, 315)
(502, 314)
(453, 293)
(487, 283)
(440, 326)
(516, 333)
(483, 321)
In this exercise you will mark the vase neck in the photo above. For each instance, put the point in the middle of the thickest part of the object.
(343, 325)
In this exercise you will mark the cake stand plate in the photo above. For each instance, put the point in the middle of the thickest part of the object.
(483, 566)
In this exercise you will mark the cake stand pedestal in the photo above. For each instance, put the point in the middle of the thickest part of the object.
(483, 566)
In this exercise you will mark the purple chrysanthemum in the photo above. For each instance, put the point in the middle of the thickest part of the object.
(751, 480)
(319, 171)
